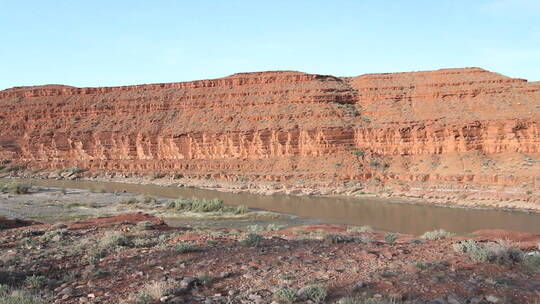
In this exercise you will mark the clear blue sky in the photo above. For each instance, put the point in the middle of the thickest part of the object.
(106, 43)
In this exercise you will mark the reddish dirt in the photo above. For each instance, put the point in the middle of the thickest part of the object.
(446, 135)
(111, 221)
(362, 266)
(525, 240)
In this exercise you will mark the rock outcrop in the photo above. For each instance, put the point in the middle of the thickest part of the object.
(445, 129)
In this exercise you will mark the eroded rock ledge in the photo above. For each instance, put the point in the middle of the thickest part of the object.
(450, 129)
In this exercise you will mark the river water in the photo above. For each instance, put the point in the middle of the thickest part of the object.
(378, 213)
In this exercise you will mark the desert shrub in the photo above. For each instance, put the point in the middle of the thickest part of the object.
(55, 235)
(374, 163)
(255, 228)
(203, 206)
(314, 293)
(94, 255)
(184, 247)
(144, 225)
(131, 201)
(338, 238)
(156, 289)
(17, 188)
(274, 227)
(252, 240)
(286, 295)
(500, 252)
(156, 174)
(240, 209)
(16, 296)
(148, 199)
(358, 153)
(359, 229)
(204, 279)
(532, 262)
(436, 235)
(390, 238)
(113, 239)
(35, 282)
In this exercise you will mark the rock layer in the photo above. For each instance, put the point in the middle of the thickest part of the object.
(450, 128)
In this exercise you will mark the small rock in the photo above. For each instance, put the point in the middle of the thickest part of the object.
(187, 282)
(359, 285)
(454, 299)
(493, 299)
(91, 295)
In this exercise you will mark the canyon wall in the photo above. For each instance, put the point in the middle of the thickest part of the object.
(450, 128)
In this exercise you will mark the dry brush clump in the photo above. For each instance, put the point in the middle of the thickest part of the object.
(497, 252)
(437, 235)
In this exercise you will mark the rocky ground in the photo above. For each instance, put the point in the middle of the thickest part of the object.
(137, 258)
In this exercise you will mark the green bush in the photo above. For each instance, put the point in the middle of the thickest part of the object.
(204, 206)
(390, 238)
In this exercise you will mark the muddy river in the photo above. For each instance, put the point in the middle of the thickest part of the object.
(378, 213)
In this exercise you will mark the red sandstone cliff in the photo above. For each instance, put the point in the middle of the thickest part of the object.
(404, 131)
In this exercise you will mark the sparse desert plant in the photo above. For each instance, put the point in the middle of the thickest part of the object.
(19, 188)
(252, 240)
(94, 255)
(144, 225)
(359, 229)
(157, 289)
(240, 209)
(184, 248)
(274, 227)
(358, 153)
(113, 239)
(499, 252)
(437, 235)
(390, 238)
(255, 228)
(148, 199)
(204, 279)
(314, 293)
(532, 262)
(35, 282)
(269, 227)
(9, 295)
(286, 295)
(338, 238)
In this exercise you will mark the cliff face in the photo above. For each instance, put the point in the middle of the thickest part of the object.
(447, 127)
